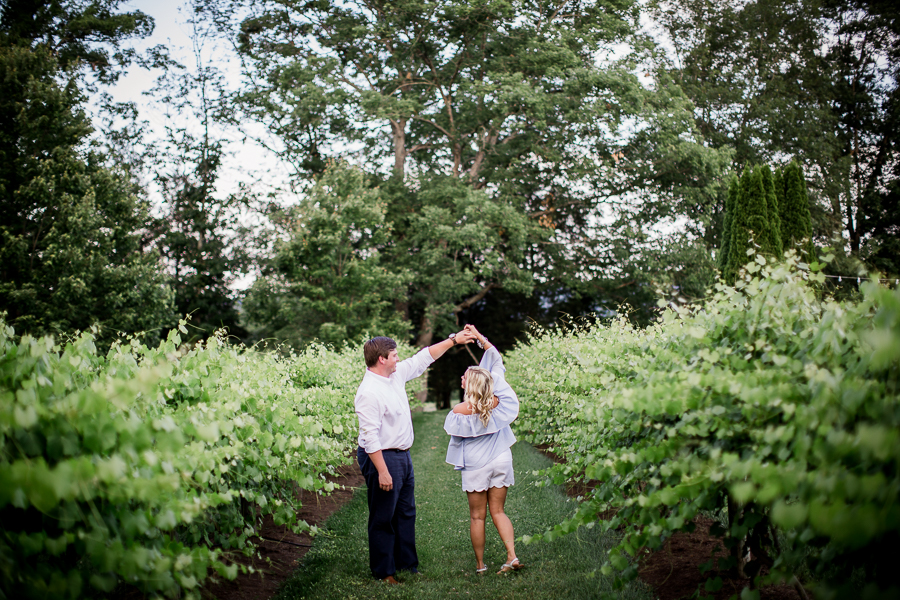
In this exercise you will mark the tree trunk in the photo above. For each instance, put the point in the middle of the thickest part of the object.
(402, 307)
(457, 159)
(851, 228)
(398, 130)
(426, 335)
(737, 550)
(488, 140)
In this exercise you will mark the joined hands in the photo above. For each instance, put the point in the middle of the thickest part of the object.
(465, 336)
(473, 332)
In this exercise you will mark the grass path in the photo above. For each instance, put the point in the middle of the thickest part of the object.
(337, 566)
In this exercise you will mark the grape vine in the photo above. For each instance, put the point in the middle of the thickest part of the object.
(149, 466)
(765, 406)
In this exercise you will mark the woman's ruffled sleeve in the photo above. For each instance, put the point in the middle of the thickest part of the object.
(468, 425)
(492, 361)
(508, 408)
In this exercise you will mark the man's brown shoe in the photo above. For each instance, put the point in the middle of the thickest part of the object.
(390, 579)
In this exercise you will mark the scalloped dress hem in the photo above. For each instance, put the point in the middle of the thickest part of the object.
(496, 474)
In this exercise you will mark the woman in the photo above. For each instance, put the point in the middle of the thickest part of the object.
(480, 438)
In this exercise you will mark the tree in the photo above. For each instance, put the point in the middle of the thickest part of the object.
(795, 214)
(750, 223)
(756, 213)
(740, 236)
(748, 68)
(199, 232)
(814, 81)
(367, 256)
(774, 233)
(71, 253)
(451, 98)
(751, 213)
(864, 60)
(328, 281)
(195, 237)
(487, 98)
(665, 169)
(779, 198)
(80, 35)
(730, 207)
(464, 88)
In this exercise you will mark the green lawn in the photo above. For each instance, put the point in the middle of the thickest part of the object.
(337, 566)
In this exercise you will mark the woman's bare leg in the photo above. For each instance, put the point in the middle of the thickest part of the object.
(477, 513)
(496, 497)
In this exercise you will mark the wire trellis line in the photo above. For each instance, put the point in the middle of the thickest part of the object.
(859, 278)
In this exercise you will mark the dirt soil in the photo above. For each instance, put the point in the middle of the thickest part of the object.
(674, 571)
(276, 560)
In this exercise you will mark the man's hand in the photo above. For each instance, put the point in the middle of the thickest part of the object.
(385, 481)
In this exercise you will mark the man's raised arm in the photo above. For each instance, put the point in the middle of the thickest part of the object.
(413, 367)
(463, 337)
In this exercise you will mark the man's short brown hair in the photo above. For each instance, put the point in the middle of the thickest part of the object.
(378, 346)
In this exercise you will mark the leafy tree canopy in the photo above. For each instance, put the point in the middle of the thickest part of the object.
(812, 81)
(70, 250)
(329, 281)
(517, 101)
(78, 33)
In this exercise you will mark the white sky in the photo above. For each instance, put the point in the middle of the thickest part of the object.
(251, 161)
(169, 30)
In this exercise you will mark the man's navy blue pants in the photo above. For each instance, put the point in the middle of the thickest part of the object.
(392, 515)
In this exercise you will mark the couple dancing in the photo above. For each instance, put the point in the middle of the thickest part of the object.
(480, 438)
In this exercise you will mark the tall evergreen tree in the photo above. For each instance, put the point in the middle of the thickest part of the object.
(199, 231)
(71, 253)
(740, 235)
(194, 237)
(751, 222)
(774, 232)
(779, 197)
(758, 222)
(730, 204)
(796, 227)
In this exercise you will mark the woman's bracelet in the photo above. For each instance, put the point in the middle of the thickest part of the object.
(480, 343)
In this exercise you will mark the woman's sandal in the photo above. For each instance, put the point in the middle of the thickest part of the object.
(513, 565)
(482, 569)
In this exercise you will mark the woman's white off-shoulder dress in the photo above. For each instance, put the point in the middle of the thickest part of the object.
(480, 451)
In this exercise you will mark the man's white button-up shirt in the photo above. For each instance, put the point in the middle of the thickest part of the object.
(385, 420)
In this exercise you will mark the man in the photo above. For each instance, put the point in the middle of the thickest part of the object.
(385, 437)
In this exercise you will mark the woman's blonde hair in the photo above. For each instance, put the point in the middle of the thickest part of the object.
(479, 392)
